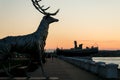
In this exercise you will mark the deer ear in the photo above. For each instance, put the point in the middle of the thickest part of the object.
(47, 16)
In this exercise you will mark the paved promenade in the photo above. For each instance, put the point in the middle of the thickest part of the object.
(64, 71)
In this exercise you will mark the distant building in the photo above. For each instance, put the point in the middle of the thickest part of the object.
(77, 51)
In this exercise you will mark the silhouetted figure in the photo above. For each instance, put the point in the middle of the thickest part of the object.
(52, 57)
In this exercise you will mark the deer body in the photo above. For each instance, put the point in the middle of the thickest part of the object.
(32, 44)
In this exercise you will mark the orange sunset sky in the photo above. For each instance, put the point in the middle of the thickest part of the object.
(91, 22)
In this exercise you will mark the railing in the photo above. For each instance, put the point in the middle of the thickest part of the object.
(109, 71)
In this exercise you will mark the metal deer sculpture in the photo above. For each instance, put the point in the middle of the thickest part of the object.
(32, 44)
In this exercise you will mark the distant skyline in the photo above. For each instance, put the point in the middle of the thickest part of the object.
(91, 22)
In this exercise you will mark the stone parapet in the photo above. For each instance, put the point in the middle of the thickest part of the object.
(109, 71)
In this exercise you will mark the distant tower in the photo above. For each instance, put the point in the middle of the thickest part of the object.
(75, 44)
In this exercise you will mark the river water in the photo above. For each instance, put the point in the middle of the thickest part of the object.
(107, 60)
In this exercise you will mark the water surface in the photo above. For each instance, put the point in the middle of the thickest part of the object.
(107, 60)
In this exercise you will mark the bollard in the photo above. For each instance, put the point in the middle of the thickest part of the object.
(98, 67)
(76, 62)
(92, 66)
(85, 65)
(111, 71)
(102, 70)
(89, 65)
(82, 64)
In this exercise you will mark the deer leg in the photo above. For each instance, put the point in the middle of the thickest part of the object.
(43, 72)
(27, 74)
(6, 71)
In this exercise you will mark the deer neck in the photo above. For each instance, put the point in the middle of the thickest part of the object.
(42, 30)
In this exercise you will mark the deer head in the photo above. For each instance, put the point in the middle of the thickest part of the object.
(48, 15)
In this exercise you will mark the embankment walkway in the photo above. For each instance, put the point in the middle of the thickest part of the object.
(64, 71)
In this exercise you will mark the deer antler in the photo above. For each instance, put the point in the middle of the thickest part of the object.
(40, 8)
